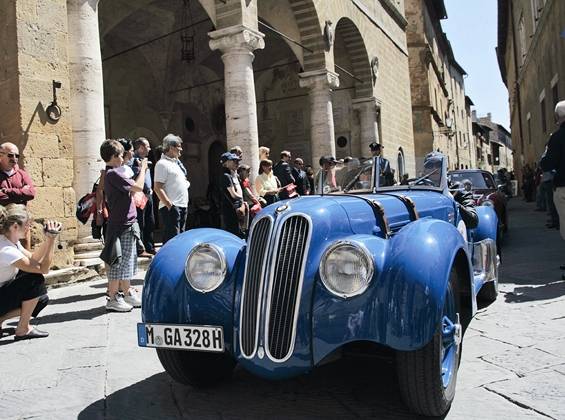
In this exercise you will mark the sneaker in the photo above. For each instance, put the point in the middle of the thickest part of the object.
(145, 254)
(133, 298)
(118, 304)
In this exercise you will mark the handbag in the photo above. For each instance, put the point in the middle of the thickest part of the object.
(139, 199)
(86, 205)
(256, 208)
(291, 190)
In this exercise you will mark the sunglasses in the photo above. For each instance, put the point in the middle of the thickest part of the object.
(12, 155)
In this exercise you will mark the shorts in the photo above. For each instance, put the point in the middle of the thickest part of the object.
(127, 267)
(26, 286)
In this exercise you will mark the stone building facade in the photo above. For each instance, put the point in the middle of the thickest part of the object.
(493, 144)
(531, 56)
(440, 112)
(312, 76)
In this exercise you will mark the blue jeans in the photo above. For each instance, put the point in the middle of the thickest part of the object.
(174, 221)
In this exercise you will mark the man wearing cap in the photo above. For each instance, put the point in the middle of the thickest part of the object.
(386, 175)
(171, 186)
(554, 159)
(283, 172)
(235, 214)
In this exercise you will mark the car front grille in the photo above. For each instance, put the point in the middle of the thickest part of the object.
(258, 246)
(284, 276)
(285, 285)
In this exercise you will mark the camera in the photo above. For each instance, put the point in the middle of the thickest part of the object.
(56, 230)
(137, 162)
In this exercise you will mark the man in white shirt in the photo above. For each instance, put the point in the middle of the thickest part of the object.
(171, 186)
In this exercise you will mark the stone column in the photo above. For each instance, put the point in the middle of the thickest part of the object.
(322, 136)
(236, 44)
(87, 95)
(368, 109)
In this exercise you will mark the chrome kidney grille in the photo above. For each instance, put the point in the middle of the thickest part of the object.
(252, 286)
(284, 282)
(285, 286)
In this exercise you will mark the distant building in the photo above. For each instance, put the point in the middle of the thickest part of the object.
(493, 144)
(440, 109)
(531, 57)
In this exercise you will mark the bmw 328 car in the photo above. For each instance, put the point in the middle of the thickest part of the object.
(357, 263)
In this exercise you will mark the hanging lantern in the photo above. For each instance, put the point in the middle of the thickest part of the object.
(188, 52)
(187, 49)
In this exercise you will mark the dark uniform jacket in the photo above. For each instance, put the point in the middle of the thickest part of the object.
(283, 172)
(554, 156)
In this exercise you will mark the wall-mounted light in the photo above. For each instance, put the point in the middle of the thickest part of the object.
(53, 110)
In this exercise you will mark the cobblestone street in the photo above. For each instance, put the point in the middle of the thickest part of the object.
(90, 367)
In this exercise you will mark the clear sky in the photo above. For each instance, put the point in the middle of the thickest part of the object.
(471, 27)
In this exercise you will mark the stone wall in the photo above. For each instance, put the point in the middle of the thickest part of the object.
(539, 72)
(39, 29)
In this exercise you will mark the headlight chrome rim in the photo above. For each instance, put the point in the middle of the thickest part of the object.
(366, 255)
(223, 266)
(488, 203)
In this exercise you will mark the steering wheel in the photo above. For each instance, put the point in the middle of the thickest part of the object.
(427, 182)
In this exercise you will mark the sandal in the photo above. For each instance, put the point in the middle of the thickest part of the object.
(34, 333)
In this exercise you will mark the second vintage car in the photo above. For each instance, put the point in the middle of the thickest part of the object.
(392, 266)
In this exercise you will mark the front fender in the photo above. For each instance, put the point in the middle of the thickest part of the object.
(167, 296)
(488, 224)
(403, 305)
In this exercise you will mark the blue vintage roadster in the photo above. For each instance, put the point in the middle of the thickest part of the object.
(357, 263)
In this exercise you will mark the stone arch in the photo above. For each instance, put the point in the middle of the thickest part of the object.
(360, 64)
(311, 37)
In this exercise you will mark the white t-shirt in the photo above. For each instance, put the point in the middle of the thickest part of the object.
(9, 254)
(175, 184)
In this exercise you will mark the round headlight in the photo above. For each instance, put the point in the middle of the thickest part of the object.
(205, 267)
(346, 269)
(487, 203)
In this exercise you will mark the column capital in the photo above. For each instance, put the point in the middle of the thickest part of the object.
(319, 79)
(236, 37)
(366, 103)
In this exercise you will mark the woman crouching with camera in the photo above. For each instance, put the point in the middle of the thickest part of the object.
(22, 285)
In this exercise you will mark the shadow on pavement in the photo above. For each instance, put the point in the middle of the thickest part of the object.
(72, 316)
(134, 282)
(349, 388)
(75, 298)
(531, 293)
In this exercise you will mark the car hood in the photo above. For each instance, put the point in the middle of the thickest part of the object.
(354, 215)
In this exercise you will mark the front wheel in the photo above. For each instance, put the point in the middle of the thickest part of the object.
(427, 376)
(198, 369)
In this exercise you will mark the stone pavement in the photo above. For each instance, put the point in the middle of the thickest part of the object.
(513, 363)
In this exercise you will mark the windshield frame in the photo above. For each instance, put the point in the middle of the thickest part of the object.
(374, 187)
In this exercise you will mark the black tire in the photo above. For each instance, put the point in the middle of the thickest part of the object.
(198, 369)
(489, 292)
(420, 372)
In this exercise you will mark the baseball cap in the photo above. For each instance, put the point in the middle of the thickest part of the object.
(228, 156)
(327, 159)
(374, 146)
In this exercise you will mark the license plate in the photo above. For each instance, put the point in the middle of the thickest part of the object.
(181, 337)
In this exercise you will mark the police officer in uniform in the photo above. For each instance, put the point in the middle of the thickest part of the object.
(386, 175)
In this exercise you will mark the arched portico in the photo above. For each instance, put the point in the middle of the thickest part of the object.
(351, 55)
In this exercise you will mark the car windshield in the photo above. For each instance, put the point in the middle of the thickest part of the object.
(432, 174)
(479, 180)
(350, 176)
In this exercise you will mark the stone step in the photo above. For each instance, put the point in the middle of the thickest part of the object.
(87, 247)
(87, 240)
(87, 255)
(88, 262)
(64, 276)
